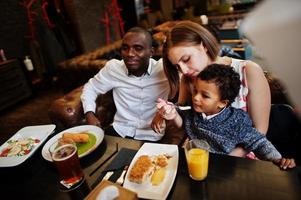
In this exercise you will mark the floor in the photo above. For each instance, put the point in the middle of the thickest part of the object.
(29, 112)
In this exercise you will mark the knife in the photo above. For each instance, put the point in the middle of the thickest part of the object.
(108, 175)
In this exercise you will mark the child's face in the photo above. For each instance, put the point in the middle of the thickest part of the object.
(206, 97)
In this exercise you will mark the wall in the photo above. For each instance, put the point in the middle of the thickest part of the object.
(48, 45)
(167, 8)
(91, 30)
(13, 28)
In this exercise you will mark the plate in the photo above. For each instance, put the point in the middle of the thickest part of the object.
(38, 132)
(146, 190)
(95, 130)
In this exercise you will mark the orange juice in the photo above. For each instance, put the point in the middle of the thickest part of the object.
(197, 161)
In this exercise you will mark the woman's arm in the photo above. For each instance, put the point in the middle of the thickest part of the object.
(258, 102)
(259, 97)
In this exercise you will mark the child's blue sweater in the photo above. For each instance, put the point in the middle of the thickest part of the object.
(228, 129)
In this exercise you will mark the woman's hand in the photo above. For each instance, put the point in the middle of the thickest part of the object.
(285, 163)
(92, 119)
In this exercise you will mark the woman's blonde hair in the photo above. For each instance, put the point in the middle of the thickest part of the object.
(186, 33)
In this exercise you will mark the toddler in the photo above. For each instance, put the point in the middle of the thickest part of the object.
(213, 119)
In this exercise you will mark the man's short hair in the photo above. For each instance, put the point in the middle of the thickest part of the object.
(143, 31)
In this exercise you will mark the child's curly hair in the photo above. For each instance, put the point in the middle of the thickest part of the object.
(225, 78)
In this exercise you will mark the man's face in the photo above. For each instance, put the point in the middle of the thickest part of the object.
(136, 51)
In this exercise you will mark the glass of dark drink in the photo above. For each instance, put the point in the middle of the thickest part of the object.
(66, 159)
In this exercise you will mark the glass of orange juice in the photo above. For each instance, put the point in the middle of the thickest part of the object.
(197, 157)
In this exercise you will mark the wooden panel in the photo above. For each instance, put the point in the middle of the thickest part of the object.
(13, 84)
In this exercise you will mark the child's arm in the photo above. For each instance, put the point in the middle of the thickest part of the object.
(254, 141)
(264, 149)
(168, 111)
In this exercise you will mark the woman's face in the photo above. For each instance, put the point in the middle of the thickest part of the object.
(190, 60)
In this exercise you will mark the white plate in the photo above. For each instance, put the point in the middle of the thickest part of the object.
(147, 190)
(37, 132)
(98, 132)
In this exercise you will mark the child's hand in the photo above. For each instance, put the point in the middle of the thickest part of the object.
(158, 123)
(285, 163)
(166, 109)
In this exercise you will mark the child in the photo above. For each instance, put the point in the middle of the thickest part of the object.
(214, 120)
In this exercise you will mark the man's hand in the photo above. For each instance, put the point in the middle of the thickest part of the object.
(92, 119)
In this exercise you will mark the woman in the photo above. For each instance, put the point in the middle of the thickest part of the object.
(188, 49)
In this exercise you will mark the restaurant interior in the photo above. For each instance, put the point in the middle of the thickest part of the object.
(50, 48)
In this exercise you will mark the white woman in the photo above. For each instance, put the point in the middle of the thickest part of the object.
(188, 49)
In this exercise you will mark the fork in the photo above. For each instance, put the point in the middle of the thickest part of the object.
(177, 106)
(120, 180)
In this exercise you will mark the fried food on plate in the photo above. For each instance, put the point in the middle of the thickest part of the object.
(149, 166)
(76, 137)
(141, 169)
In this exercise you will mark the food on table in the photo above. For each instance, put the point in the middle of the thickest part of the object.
(158, 176)
(161, 160)
(82, 137)
(141, 169)
(149, 166)
(19, 147)
(84, 140)
(84, 147)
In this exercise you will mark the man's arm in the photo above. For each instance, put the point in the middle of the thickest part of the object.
(99, 84)
(88, 99)
(92, 119)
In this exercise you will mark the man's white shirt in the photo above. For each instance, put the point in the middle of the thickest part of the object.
(135, 97)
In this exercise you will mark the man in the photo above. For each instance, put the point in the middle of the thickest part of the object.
(137, 81)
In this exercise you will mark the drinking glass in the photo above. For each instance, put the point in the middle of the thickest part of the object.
(65, 157)
(197, 157)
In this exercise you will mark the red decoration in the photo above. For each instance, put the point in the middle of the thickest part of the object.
(30, 16)
(106, 22)
(117, 21)
(45, 15)
(117, 14)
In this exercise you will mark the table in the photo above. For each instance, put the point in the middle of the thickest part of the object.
(238, 178)
(37, 178)
(228, 178)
